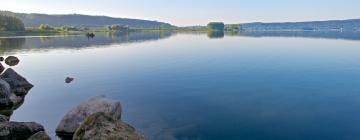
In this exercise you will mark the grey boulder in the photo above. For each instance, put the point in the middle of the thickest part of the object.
(40, 136)
(2, 68)
(5, 93)
(12, 60)
(4, 118)
(74, 118)
(19, 130)
(101, 126)
(18, 84)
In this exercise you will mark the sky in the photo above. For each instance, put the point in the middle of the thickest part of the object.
(196, 12)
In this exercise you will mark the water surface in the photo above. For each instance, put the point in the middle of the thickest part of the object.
(200, 86)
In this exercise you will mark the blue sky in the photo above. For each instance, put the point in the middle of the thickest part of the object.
(196, 12)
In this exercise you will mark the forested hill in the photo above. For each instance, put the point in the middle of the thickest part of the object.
(343, 25)
(34, 20)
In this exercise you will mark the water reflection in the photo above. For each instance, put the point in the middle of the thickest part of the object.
(253, 88)
(18, 44)
(11, 45)
(215, 34)
(305, 34)
(8, 44)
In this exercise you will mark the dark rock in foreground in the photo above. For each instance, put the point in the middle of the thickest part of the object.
(19, 130)
(100, 126)
(12, 60)
(73, 119)
(2, 68)
(13, 89)
(40, 136)
(18, 84)
(4, 118)
(5, 93)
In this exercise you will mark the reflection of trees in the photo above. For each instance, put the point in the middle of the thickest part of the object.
(45, 39)
(122, 35)
(215, 34)
(8, 44)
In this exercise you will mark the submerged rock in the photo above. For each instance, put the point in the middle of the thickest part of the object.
(12, 60)
(18, 84)
(73, 119)
(101, 126)
(19, 130)
(40, 136)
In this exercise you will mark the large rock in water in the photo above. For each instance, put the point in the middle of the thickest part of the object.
(73, 119)
(18, 84)
(19, 130)
(101, 126)
(40, 136)
(5, 93)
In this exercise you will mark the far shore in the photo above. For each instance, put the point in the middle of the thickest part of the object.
(57, 32)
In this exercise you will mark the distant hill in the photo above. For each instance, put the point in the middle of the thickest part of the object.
(34, 20)
(343, 25)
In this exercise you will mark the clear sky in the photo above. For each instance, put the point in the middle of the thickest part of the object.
(196, 12)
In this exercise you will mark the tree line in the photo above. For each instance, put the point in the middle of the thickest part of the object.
(11, 23)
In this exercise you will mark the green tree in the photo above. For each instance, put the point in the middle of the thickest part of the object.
(162, 27)
(65, 28)
(70, 28)
(117, 27)
(232, 27)
(11, 23)
(45, 27)
(216, 26)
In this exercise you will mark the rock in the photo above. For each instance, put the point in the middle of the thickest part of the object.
(40, 136)
(6, 112)
(18, 84)
(68, 80)
(1, 58)
(73, 119)
(2, 68)
(4, 118)
(90, 35)
(101, 126)
(19, 130)
(17, 101)
(5, 92)
(12, 60)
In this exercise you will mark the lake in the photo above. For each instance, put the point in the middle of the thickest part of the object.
(248, 86)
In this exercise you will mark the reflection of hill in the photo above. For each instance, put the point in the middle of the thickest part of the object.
(7, 44)
(306, 34)
(79, 41)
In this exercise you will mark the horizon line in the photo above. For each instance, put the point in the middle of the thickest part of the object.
(248, 22)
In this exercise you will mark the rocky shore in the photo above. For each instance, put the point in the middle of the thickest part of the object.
(98, 118)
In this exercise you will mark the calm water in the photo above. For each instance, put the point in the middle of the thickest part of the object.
(273, 86)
